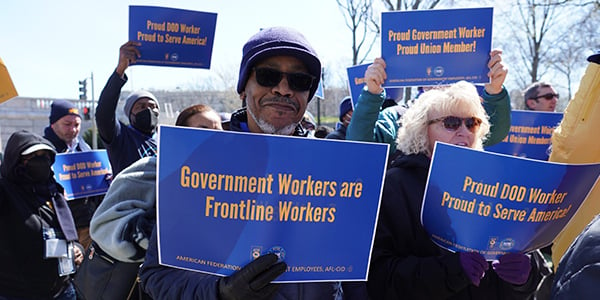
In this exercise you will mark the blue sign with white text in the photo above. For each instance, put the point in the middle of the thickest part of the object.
(172, 37)
(530, 134)
(495, 203)
(82, 174)
(225, 198)
(436, 47)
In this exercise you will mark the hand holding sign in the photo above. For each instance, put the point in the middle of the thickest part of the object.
(474, 265)
(128, 54)
(513, 268)
(253, 281)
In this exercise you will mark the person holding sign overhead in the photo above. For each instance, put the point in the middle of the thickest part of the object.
(405, 262)
(126, 144)
(279, 74)
(371, 124)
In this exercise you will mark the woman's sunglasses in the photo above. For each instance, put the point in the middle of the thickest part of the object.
(270, 77)
(452, 123)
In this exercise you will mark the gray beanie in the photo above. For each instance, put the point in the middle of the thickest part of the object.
(277, 41)
(135, 96)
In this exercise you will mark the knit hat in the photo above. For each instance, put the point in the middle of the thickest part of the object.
(135, 96)
(277, 41)
(345, 107)
(61, 108)
(595, 58)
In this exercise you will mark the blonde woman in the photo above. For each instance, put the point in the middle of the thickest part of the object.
(405, 262)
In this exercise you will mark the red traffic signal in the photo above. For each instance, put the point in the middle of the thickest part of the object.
(86, 113)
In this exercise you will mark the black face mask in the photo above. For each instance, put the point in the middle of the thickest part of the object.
(38, 168)
(145, 120)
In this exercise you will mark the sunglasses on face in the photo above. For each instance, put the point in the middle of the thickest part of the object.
(269, 77)
(452, 123)
(548, 96)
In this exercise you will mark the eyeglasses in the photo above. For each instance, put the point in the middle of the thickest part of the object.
(270, 77)
(548, 96)
(452, 123)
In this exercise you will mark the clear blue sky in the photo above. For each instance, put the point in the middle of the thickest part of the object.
(48, 46)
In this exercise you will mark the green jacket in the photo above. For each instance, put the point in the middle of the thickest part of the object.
(369, 124)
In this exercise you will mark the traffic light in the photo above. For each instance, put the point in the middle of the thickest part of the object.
(86, 113)
(83, 89)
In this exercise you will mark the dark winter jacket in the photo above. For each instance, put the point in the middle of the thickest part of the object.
(406, 264)
(25, 208)
(578, 273)
(124, 144)
(339, 133)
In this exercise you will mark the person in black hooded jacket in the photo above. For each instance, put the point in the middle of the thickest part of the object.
(34, 217)
(406, 263)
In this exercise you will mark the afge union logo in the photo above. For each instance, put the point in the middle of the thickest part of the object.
(507, 244)
(256, 250)
(279, 251)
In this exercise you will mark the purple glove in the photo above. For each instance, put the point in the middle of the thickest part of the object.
(474, 265)
(513, 268)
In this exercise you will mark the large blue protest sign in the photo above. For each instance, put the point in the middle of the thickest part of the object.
(495, 203)
(172, 37)
(356, 82)
(530, 134)
(82, 174)
(225, 198)
(433, 47)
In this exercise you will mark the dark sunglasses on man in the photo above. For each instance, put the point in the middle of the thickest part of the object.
(548, 96)
(270, 77)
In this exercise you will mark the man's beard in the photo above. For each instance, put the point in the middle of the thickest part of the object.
(269, 128)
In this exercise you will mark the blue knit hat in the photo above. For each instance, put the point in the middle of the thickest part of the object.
(345, 107)
(277, 41)
(61, 108)
(595, 58)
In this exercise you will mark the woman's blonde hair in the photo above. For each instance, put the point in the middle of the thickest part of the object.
(455, 99)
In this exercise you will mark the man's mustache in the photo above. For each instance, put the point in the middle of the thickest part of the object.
(276, 99)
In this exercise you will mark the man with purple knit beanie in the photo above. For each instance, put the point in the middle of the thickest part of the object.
(279, 74)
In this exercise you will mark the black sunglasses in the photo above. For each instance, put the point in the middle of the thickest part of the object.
(548, 96)
(270, 77)
(452, 123)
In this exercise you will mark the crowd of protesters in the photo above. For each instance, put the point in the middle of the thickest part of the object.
(45, 238)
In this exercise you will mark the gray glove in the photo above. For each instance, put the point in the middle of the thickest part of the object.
(253, 281)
